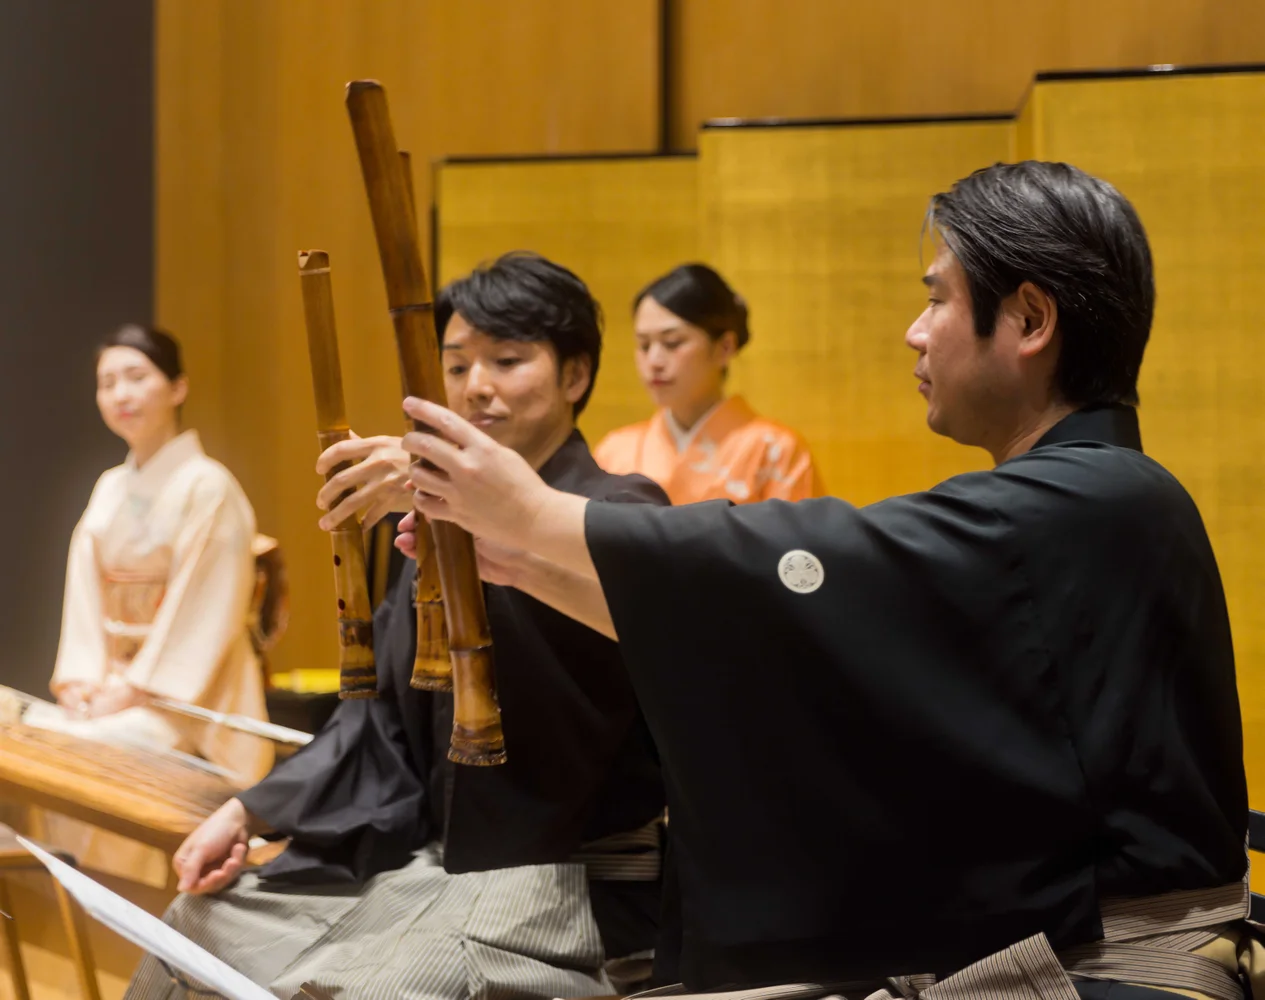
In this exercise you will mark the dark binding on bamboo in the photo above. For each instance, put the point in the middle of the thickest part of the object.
(476, 737)
(432, 663)
(357, 674)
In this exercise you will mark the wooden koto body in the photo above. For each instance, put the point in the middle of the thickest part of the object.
(130, 791)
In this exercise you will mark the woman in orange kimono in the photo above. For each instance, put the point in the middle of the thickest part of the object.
(701, 445)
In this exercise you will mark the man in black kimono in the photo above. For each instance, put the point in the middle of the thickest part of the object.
(411, 877)
(998, 713)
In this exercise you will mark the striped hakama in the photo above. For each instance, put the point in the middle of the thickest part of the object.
(411, 934)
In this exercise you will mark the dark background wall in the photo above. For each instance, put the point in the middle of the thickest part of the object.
(76, 259)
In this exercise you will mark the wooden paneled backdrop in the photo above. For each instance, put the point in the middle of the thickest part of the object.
(847, 58)
(255, 162)
(615, 222)
(818, 226)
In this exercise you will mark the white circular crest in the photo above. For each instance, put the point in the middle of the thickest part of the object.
(801, 572)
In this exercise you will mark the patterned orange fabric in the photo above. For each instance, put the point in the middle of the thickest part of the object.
(734, 455)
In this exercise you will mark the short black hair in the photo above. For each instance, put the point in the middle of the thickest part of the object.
(1078, 239)
(702, 298)
(523, 296)
(159, 346)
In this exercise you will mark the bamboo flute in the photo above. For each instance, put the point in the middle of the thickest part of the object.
(357, 674)
(432, 664)
(476, 737)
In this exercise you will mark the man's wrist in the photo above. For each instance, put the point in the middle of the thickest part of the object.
(536, 514)
(236, 811)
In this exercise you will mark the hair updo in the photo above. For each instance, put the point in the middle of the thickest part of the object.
(160, 347)
(702, 298)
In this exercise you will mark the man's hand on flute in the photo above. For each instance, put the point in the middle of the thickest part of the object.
(495, 495)
(376, 482)
(498, 564)
(564, 590)
(478, 484)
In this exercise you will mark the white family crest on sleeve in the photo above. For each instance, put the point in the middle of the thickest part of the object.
(801, 572)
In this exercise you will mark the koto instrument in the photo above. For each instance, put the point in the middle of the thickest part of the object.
(477, 737)
(150, 796)
(357, 674)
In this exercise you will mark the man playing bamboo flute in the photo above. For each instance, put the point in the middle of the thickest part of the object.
(409, 877)
(977, 728)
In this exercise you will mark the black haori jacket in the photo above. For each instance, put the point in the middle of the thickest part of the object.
(375, 784)
(934, 726)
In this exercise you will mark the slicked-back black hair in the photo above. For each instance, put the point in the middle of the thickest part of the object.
(1078, 239)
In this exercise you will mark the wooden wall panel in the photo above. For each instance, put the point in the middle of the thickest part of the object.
(1190, 154)
(844, 58)
(818, 228)
(255, 162)
(616, 223)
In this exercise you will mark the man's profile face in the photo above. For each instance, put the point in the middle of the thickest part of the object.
(959, 373)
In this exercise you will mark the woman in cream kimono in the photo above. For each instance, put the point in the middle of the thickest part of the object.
(158, 587)
(701, 445)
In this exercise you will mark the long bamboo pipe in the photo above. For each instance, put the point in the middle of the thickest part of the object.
(477, 737)
(432, 663)
(357, 673)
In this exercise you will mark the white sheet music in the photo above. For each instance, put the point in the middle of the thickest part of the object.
(150, 933)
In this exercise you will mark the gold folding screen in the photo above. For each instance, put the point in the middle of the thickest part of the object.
(616, 222)
(819, 228)
(1189, 152)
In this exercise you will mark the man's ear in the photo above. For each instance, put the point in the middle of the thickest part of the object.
(1038, 318)
(577, 376)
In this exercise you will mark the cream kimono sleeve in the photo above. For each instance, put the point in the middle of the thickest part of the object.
(81, 649)
(203, 613)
